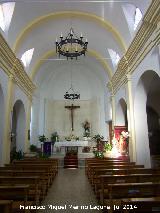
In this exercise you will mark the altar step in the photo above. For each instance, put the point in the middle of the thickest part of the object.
(70, 162)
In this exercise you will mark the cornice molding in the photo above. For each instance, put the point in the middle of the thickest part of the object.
(147, 37)
(12, 66)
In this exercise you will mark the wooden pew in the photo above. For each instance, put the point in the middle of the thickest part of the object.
(49, 169)
(117, 192)
(6, 206)
(32, 181)
(142, 204)
(44, 178)
(99, 160)
(93, 175)
(95, 179)
(39, 161)
(17, 193)
(102, 189)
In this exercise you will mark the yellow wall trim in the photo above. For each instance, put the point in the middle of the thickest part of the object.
(90, 52)
(65, 14)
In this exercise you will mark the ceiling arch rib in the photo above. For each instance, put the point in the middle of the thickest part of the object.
(66, 14)
(50, 53)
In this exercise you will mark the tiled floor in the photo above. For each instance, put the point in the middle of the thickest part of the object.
(70, 190)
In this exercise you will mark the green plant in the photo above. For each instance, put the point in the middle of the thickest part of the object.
(98, 154)
(33, 148)
(54, 137)
(108, 147)
(42, 138)
(98, 137)
(17, 155)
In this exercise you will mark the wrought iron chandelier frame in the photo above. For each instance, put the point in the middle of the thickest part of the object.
(71, 46)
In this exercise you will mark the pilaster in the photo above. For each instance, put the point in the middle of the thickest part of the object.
(7, 116)
(27, 128)
(130, 107)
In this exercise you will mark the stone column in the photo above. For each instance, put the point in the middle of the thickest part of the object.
(7, 120)
(131, 126)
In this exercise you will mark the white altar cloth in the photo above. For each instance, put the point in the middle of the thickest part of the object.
(71, 143)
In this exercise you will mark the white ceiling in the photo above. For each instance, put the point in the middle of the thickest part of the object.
(43, 34)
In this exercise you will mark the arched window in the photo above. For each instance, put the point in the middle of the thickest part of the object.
(6, 13)
(114, 57)
(133, 16)
(137, 17)
(27, 57)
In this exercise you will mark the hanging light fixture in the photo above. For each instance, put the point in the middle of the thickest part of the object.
(70, 93)
(71, 46)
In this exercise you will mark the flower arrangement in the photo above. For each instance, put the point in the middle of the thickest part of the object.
(108, 146)
(54, 137)
(125, 136)
(98, 137)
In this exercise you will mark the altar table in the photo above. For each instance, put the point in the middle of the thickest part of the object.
(64, 144)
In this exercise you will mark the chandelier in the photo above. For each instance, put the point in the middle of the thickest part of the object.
(70, 94)
(71, 46)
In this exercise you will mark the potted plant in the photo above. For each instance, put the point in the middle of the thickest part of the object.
(107, 149)
(54, 137)
(33, 148)
(42, 138)
(98, 152)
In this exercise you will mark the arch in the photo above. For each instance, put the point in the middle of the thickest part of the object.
(144, 87)
(18, 127)
(50, 53)
(1, 121)
(65, 14)
(121, 114)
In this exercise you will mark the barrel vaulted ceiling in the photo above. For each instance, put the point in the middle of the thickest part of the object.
(106, 24)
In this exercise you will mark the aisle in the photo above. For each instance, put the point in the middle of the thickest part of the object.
(70, 188)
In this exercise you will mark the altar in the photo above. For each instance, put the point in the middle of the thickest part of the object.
(63, 145)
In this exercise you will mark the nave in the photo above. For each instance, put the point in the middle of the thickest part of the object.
(70, 187)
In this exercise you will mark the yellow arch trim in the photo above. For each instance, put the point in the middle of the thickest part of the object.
(50, 53)
(65, 14)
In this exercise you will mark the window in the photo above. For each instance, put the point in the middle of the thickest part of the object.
(137, 17)
(114, 57)
(27, 57)
(6, 13)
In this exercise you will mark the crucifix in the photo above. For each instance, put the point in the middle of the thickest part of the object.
(72, 108)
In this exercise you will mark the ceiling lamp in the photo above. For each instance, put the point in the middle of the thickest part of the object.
(71, 46)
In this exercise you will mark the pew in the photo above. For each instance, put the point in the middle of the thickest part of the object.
(102, 188)
(117, 192)
(93, 175)
(97, 172)
(99, 160)
(32, 181)
(18, 193)
(44, 178)
(6, 206)
(144, 204)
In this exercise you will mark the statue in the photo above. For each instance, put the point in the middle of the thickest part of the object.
(86, 127)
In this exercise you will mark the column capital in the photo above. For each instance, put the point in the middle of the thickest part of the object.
(128, 77)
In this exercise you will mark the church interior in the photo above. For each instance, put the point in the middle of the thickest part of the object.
(79, 105)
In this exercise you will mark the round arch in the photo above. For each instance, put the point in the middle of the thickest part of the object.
(64, 14)
(18, 127)
(121, 114)
(50, 53)
(146, 87)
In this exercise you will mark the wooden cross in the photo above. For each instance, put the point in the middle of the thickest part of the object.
(72, 108)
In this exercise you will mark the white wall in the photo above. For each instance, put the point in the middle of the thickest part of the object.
(49, 103)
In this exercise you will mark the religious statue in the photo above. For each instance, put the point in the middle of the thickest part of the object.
(86, 126)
